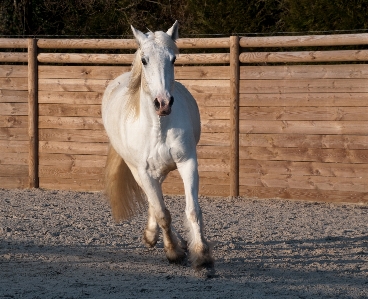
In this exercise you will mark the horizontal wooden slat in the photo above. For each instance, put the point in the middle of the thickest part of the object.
(216, 165)
(14, 83)
(72, 135)
(342, 170)
(13, 109)
(215, 126)
(70, 172)
(305, 141)
(14, 71)
(111, 72)
(305, 194)
(209, 99)
(94, 98)
(69, 110)
(207, 86)
(13, 43)
(304, 154)
(202, 72)
(213, 139)
(85, 58)
(79, 123)
(13, 171)
(305, 182)
(303, 85)
(206, 58)
(95, 123)
(202, 43)
(73, 148)
(14, 158)
(94, 85)
(10, 146)
(304, 56)
(14, 182)
(301, 113)
(297, 72)
(214, 112)
(213, 152)
(13, 121)
(72, 160)
(44, 43)
(345, 99)
(14, 134)
(219, 139)
(65, 97)
(83, 184)
(13, 57)
(13, 96)
(304, 127)
(81, 72)
(182, 43)
(305, 40)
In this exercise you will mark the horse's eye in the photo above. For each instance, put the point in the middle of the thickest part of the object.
(144, 61)
(173, 60)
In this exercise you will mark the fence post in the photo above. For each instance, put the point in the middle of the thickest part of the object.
(234, 116)
(32, 113)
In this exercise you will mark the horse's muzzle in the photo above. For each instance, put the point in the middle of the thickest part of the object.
(163, 106)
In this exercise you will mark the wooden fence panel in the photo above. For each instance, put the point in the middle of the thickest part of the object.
(298, 131)
(73, 144)
(14, 145)
(303, 132)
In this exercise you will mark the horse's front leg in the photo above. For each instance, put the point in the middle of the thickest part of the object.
(199, 250)
(158, 215)
(151, 233)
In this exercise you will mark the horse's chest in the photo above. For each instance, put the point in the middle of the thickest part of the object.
(160, 160)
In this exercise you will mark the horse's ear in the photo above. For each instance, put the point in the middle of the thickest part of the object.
(139, 36)
(174, 31)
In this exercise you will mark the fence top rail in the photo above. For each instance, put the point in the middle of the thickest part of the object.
(13, 43)
(304, 40)
(304, 56)
(183, 43)
(75, 58)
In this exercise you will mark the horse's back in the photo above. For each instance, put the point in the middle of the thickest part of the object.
(119, 84)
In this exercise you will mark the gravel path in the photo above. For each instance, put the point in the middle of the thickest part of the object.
(57, 244)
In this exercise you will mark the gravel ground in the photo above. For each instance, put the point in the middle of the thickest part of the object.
(58, 244)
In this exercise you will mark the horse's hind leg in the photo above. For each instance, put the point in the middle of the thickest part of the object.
(173, 246)
(151, 232)
(159, 215)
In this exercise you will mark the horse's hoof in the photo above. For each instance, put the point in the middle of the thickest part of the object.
(201, 258)
(177, 256)
(150, 242)
(206, 262)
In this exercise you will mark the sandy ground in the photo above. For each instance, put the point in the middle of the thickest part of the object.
(57, 244)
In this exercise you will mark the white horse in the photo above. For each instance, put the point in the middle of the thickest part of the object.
(153, 125)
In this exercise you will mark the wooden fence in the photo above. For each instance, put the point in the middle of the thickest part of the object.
(287, 124)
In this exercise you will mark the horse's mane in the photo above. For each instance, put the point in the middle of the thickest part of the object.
(137, 80)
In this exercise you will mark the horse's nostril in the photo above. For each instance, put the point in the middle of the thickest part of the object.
(157, 104)
(171, 101)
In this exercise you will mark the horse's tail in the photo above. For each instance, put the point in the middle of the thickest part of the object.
(123, 192)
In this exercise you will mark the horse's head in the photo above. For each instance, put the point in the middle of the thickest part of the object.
(157, 53)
